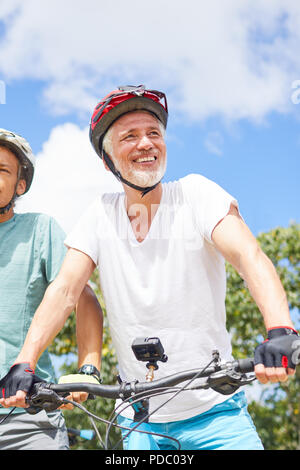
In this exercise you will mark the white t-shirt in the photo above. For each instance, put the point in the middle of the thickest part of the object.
(172, 285)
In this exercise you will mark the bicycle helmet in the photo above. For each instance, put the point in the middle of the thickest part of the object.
(117, 103)
(21, 148)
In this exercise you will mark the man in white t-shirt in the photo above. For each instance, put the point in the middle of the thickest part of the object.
(161, 250)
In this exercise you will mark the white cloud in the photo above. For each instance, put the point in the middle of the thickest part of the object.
(214, 143)
(68, 176)
(228, 58)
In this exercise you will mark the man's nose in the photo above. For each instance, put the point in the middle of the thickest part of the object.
(144, 143)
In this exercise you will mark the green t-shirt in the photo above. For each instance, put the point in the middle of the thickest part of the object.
(31, 253)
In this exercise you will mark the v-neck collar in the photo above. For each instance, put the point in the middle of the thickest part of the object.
(131, 234)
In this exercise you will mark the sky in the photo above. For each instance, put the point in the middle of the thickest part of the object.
(230, 70)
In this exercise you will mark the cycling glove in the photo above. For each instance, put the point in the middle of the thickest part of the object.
(19, 377)
(281, 349)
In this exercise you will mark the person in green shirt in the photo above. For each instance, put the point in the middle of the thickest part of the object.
(31, 253)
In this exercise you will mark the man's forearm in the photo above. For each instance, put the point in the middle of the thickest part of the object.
(239, 247)
(89, 329)
(266, 289)
(48, 320)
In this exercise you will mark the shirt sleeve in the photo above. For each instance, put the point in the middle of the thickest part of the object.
(210, 202)
(83, 236)
(53, 250)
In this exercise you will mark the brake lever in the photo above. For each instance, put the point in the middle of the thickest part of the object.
(43, 398)
(227, 382)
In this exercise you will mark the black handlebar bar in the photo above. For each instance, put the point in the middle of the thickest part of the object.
(224, 378)
(126, 389)
(245, 365)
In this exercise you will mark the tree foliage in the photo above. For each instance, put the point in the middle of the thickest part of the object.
(276, 410)
(276, 413)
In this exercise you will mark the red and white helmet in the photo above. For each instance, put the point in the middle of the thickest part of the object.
(21, 148)
(121, 101)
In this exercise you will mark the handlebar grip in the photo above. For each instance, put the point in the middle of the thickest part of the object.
(245, 365)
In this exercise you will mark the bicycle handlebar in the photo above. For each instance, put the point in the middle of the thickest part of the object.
(224, 378)
(126, 389)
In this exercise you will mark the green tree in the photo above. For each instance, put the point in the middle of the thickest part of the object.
(277, 412)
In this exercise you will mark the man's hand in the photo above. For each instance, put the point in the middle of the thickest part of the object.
(15, 385)
(276, 358)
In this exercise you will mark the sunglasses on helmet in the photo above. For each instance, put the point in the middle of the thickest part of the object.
(140, 90)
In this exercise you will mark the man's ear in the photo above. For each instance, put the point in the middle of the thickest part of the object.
(21, 187)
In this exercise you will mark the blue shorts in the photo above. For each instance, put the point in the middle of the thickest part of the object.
(227, 426)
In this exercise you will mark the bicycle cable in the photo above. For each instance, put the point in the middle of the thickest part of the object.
(167, 390)
(111, 423)
(89, 413)
(132, 402)
(96, 431)
(148, 396)
(167, 401)
(8, 414)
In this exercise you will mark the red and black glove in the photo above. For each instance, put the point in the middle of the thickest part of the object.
(19, 377)
(280, 349)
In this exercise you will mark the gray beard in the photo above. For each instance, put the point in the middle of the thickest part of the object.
(143, 178)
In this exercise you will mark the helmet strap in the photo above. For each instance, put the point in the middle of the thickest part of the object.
(118, 175)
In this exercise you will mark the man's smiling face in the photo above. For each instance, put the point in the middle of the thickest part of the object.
(138, 148)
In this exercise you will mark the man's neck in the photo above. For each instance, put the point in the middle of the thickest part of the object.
(135, 198)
